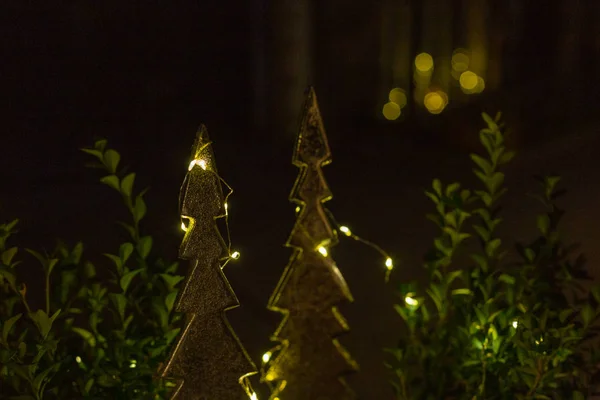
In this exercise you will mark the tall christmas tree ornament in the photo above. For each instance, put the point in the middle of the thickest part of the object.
(309, 363)
(208, 362)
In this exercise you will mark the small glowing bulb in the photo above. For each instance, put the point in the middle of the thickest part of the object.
(323, 251)
(253, 396)
(298, 209)
(78, 359)
(201, 163)
(132, 365)
(183, 227)
(266, 357)
(226, 208)
(235, 255)
(389, 263)
(410, 301)
(515, 324)
(345, 230)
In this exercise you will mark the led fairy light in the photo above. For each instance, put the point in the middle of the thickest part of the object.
(389, 263)
(202, 164)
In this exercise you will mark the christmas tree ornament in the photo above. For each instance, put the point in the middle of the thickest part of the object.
(309, 362)
(208, 362)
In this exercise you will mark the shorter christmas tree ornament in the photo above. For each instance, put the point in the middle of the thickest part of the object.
(208, 362)
(309, 363)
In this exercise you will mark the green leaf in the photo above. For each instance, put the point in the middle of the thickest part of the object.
(495, 181)
(7, 326)
(96, 153)
(450, 277)
(39, 381)
(125, 251)
(86, 335)
(89, 271)
(488, 120)
(437, 187)
(120, 302)
(587, 314)
(492, 246)
(127, 184)
(77, 252)
(543, 223)
(170, 301)
(126, 279)
(484, 164)
(43, 322)
(144, 246)
(480, 260)
(7, 256)
(117, 261)
(577, 395)
(433, 197)
(506, 157)
(483, 233)
(171, 280)
(42, 260)
(9, 276)
(51, 264)
(451, 188)
(111, 161)
(463, 291)
(112, 181)
(401, 311)
(486, 141)
(507, 279)
(450, 219)
(564, 314)
(100, 144)
(130, 229)
(139, 209)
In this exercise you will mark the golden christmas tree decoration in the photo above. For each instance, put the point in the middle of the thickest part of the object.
(208, 362)
(309, 362)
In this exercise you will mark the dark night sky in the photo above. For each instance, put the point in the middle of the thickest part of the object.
(145, 77)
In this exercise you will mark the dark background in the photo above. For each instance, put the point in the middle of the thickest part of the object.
(144, 75)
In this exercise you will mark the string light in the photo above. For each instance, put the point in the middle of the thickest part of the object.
(410, 301)
(389, 263)
(298, 209)
(202, 163)
(184, 225)
(266, 357)
(78, 360)
(323, 251)
(345, 230)
(253, 396)
(199, 162)
(515, 323)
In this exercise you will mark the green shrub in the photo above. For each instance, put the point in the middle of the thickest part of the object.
(93, 337)
(483, 326)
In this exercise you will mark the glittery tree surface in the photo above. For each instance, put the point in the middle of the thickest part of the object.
(208, 362)
(309, 363)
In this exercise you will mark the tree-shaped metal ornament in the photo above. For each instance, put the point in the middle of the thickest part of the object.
(309, 363)
(208, 362)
